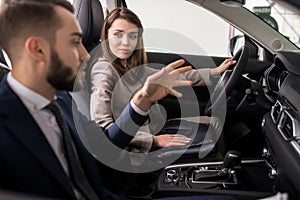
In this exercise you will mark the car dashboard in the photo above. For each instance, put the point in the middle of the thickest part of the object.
(281, 125)
(277, 170)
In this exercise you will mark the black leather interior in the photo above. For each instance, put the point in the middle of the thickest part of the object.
(89, 14)
(203, 140)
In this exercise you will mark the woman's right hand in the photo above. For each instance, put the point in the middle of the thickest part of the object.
(221, 68)
(161, 84)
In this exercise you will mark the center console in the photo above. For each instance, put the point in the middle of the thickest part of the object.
(244, 179)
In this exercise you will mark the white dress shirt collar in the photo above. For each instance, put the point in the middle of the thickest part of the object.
(32, 100)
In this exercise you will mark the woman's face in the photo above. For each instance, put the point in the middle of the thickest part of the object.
(122, 38)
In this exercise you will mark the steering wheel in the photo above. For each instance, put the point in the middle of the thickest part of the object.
(228, 80)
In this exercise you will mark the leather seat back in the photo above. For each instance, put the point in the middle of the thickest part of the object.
(89, 14)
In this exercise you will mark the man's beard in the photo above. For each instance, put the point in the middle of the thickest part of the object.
(61, 76)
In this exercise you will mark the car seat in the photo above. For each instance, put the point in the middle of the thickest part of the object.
(89, 14)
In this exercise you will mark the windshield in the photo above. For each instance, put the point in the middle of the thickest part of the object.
(280, 18)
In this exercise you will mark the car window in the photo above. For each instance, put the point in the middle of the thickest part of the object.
(284, 20)
(181, 28)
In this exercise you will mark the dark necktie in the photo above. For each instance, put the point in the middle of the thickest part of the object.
(76, 172)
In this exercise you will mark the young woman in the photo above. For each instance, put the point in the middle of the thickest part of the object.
(122, 70)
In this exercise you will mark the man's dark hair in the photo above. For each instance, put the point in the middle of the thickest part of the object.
(22, 18)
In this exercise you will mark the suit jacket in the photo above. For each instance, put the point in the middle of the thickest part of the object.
(27, 161)
(3, 70)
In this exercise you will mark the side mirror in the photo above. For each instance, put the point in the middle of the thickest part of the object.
(241, 40)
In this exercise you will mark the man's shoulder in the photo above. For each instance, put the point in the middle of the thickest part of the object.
(9, 102)
(5, 91)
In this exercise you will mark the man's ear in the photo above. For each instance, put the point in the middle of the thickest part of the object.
(36, 48)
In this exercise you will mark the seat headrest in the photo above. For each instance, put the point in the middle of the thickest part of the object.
(89, 14)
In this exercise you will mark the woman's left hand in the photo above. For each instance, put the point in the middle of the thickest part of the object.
(169, 140)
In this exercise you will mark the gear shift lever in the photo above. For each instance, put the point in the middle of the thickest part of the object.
(232, 158)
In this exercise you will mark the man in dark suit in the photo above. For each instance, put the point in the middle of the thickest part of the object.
(3, 70)
(43, 41)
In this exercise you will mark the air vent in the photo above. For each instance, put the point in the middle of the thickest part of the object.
(286, 125)
(277, 109)
(281, 78)
(275, 112)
